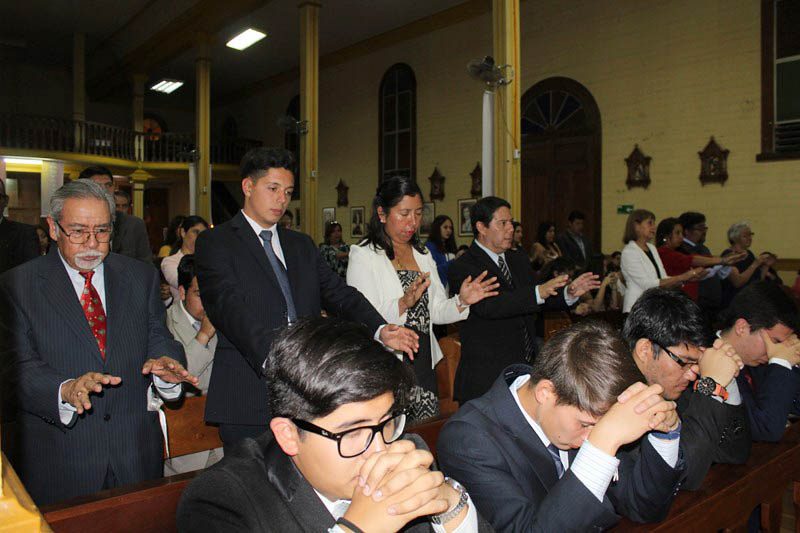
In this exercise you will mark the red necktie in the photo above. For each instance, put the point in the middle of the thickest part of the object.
(93, 309)
(749, 378)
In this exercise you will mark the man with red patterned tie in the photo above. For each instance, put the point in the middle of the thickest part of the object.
(86, 357)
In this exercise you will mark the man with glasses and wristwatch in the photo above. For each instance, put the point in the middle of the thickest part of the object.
(672, 345)
(337, 457)
(88, 357)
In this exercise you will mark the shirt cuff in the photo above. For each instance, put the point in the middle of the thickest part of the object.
(468, 525)
(377, 335)
(539, 299)
(168, 391)
(594, 468)
(783, 362)
(667, 449)
(734, 396)
(571, 300)
(66, 411)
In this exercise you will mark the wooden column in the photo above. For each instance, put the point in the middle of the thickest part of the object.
(507, 133)
(203, 126)
(137, 83)
(138, 180)
(309, 111)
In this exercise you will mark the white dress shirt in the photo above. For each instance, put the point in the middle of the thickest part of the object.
(276, 241)
(593, 467)
(168, 391)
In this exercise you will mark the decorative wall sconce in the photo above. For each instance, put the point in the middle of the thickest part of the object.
(477, 181)
(638, 169)
(437, 185)
(713, 163)
(341, 194)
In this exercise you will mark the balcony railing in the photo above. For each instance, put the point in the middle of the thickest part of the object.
(91, 138)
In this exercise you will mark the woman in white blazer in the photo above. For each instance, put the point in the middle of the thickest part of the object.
(641, 265)
(394, 271)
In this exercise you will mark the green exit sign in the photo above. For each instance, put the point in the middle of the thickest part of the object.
(625, 209)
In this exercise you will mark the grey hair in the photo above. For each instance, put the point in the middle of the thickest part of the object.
(83, 189)
(735, 231)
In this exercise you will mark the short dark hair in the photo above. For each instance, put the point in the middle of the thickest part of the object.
(319, 364)
(589, 365)
(690, 219)
(123, 193)
(664, 229)
(763, 305)
(483, 211)
(257, 162)
(562, 264)
(390, 192)
(186, 271)
(95, 170)
(667, 317)
(576, 215)
(191, 221)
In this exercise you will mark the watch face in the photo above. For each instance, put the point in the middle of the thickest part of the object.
(706, 386)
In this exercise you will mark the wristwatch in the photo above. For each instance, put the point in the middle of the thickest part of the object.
(445, 517)
(709, 387)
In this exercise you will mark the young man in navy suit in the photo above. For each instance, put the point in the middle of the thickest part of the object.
(336, 457)
(541, 450)
(762, 324)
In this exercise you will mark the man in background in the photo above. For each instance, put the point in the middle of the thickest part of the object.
(18, 241)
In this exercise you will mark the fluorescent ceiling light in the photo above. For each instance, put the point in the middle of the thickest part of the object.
(22, 161)
(166, 86)
(247, 38)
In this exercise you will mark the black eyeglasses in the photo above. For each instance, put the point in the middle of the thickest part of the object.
(79, 236)
(681, 362)
(354, 442)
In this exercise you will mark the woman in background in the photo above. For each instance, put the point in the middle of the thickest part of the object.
(442, 245)
(545, 248)
(393, 270)
(516, 237)
(172, 240)
(192, 227)
(334, 251)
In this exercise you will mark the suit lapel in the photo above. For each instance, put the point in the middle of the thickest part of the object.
(117, 296)
(253, 244)
(485, 263)
(59, 291)
(514, 423)
(297, 493)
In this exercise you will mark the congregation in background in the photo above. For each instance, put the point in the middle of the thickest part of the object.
(315, 359)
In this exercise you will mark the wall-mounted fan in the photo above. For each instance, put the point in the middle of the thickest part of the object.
(485, 70)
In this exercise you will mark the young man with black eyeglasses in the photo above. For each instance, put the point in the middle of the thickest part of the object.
(672, 346)
(336, 458)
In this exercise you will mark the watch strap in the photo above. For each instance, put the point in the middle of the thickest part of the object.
(445, 517)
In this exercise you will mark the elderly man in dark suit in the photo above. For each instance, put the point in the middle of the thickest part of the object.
(130, 232)
(336, 458)
(255, 277)
(87, 357)
(541, 451)
(500, 331)
(18, 242)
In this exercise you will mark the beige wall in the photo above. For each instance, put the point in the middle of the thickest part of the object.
(666, 75)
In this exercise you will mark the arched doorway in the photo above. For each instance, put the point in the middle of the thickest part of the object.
(561, 141)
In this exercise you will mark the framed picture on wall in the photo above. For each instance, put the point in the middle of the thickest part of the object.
(328, 216)
(357, 223)
(464, 222)
(428, 214)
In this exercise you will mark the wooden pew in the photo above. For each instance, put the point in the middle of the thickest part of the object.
(187, 431)
(730, 492)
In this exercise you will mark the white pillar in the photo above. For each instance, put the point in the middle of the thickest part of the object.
(52, 180)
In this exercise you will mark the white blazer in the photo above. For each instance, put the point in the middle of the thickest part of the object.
(372, 273)
(639, 272)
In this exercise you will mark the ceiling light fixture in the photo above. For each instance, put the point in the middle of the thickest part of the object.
(22, 161)
(166, 86)
(245, 39)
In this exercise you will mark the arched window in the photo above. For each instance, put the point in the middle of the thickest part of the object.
(397, 127)
(291, 141)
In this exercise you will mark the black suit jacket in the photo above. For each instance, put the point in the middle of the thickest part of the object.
(769, 402)
(490, 448)
(130, 237)
(46, 341)
(492, 337)
(258, 488)
(243, 300)
(18, 243)
(569, 247)
(711, 432)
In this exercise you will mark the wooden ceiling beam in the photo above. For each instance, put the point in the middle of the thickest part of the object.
(177, 36)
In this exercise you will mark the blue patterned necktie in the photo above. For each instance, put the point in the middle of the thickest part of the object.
(554, 453)
(280, 273)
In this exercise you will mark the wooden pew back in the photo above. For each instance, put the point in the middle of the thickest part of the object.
(187, 431)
